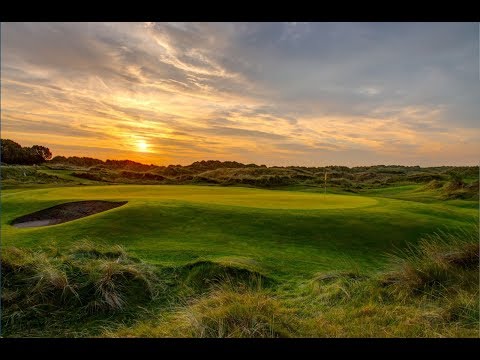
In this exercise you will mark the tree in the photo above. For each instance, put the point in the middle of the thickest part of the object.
(59, 159)
(14, 153)
(42, 153)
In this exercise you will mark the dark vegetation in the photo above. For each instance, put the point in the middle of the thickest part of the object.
(14, 153)
(90, 289)
(449, 181)
(48, 288)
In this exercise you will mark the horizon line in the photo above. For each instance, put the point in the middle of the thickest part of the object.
(268, 166)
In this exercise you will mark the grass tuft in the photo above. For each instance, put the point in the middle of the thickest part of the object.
(201, 275)
(440, 262)
(227, 311)
(38, 286)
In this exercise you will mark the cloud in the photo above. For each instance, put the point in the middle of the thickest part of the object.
(252, 134)
(272, 92)
(45, 128)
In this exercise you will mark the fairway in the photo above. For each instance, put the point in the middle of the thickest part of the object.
(288, 233)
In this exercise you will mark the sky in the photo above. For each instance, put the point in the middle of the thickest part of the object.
(309, 94)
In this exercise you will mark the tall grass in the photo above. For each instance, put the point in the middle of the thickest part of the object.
(83, 281)
(443, 262)
(226, 311)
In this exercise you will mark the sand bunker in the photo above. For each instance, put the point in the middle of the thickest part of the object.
(65, 212)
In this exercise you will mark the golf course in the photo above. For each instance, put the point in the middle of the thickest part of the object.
(230, 261)
(239, 180)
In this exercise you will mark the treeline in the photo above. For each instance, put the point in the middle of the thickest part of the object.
(13, 153)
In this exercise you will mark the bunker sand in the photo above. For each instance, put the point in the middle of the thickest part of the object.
(65, 212)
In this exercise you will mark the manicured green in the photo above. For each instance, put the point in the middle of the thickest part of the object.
(290, 234)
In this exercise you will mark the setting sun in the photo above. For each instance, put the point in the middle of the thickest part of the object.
(142, 145)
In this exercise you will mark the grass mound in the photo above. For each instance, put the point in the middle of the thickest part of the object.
(26, 175)
(334, 288)
(201, 275)
(429, 290)
(460, 190)
(432, 185)
(441, 261)
(39, 286)
(227, 311)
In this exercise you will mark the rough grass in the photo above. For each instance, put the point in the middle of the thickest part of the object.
(429, 291)
(227, 311)
(39, 286)
(455, 189)
(440, 261)
(231, 173)
(201, 276)
(27, 175)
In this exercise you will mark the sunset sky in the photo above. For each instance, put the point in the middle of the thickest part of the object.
(269, 93)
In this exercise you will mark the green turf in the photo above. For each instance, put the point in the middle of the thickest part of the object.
(290, 234)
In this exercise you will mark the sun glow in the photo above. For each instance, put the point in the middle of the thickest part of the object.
(142, 146)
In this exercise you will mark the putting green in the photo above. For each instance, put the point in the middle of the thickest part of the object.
(246, 197)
